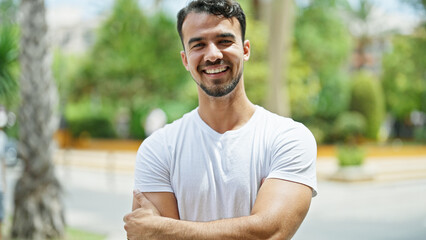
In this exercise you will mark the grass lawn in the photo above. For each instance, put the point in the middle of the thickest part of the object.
(74, 234)
(77, 234)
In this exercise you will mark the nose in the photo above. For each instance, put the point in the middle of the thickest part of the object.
(213, 53)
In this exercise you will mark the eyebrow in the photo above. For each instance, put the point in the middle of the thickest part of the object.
(226, 35)
(196, 39)
(222, 35)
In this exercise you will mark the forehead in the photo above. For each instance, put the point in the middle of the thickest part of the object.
(204, 24)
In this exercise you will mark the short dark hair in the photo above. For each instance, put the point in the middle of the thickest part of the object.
(225, 8)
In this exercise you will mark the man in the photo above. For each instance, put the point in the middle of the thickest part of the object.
(228, 169)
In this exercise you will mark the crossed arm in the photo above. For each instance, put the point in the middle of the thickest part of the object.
(279, 210)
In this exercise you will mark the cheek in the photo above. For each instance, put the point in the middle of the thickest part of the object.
(193, 62)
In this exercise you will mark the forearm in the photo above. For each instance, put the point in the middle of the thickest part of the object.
(276, 214)
(250, 227)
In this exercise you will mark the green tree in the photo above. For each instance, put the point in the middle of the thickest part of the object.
(133, 57)
(404, 75)
(304, 87)
(38, 207)
(315, 87)
(325, 44)
(135, 63)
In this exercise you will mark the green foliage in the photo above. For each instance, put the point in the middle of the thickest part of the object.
(135, 63)
(350, 156)
(303, 86)
(404, 75)
(88, 117)
(323, 39)
(349, 126)
(8, 63)
(64, 69)
(325, 44)
(133, 56)
(92, 126)
(334, 94)
(315, 86)
(8, 12)
(256, 69)
(318, 85)
(136, 122)
(367, 98)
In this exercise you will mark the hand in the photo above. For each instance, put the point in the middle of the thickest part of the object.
(142, 222)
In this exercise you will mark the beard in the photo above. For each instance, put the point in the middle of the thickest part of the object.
(220, 91)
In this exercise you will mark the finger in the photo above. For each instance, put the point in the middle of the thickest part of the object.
(125, 218)
(145, 203)
(140, 198)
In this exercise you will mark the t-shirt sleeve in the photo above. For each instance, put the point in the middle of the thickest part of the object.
(151, 169)
(294, 156)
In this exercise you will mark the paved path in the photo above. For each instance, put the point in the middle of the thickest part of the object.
(367, 211)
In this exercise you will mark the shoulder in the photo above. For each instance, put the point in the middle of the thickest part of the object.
(279, 125)
(286, 131)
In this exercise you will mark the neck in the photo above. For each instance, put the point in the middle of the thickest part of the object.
(225, 113)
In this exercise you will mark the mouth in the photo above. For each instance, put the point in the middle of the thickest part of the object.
(216, 70)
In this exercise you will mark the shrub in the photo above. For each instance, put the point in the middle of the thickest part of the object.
(367, 98)
(96, 127)
(349, 126)
(136, 129)
(349, 155)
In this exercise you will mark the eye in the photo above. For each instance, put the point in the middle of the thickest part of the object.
(198, 45)
(225, 41)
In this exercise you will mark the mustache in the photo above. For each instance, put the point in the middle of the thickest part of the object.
(210, 63)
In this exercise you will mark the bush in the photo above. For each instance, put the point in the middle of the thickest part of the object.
(420, 134)
(96, 127)
(349, 126)
(367, 98)
(350, 156)
(136, 130)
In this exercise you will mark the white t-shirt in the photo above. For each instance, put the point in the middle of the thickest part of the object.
(216, 176)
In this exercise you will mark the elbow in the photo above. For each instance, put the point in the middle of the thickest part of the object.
(264, 229)
(269, 229)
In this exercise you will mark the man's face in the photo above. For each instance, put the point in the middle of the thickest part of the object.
(214, 53)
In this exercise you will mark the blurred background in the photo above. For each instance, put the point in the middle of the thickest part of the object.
(353, 71)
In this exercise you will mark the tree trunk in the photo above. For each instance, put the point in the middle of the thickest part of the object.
(39, 212)
(256, 9)
(280, 37)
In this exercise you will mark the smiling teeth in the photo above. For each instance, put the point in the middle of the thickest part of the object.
(216, 70)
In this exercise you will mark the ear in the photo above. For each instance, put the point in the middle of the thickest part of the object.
(246, 49)
(184, 59)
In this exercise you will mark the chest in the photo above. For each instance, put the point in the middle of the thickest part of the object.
(222, 173)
